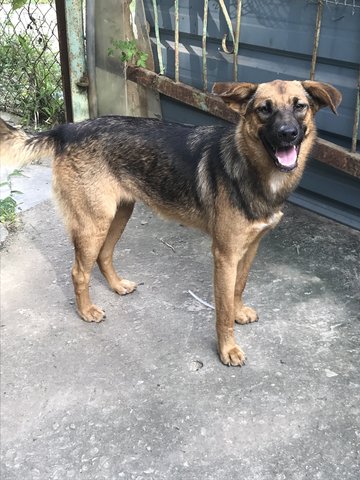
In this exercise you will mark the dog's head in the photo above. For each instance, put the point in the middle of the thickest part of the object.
(279, 114)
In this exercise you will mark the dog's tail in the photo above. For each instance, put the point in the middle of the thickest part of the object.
(18, 148)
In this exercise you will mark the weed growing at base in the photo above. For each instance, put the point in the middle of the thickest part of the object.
(8, 204)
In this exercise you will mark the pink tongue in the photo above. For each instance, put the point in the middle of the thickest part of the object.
(286, 157)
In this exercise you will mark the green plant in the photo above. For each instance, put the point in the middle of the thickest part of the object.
(8, 210)
(8, 204)
(128, 52)
(15, 4)
(30, 76)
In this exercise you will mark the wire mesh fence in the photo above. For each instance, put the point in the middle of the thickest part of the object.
(353, 4)
(30, 73)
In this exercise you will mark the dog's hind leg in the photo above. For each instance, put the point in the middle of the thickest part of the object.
(105, 258)
(87, 247)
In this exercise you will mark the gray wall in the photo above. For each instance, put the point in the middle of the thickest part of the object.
(276, 41)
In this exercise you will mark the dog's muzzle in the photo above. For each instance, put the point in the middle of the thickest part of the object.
(286, 150)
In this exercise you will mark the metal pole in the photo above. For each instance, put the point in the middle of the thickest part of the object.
(237, 39)
(230, 27)
(204, 64)
(316, 38)
(177, 73)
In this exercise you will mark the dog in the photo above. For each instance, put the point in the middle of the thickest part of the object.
(230, 182)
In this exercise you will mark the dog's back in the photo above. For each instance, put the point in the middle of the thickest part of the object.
(171, 167)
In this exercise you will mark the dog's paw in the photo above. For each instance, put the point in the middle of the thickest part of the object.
(92, 314)
(245, 315)
(233, 356)
(123, 287)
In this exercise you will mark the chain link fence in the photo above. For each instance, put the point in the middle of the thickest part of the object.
(30, 73)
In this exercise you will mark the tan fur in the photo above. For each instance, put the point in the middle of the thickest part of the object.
(14, 153)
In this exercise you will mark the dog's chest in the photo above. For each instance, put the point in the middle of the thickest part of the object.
(269, 223)
(276, 182)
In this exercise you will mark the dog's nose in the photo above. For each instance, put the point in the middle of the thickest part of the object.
(288, 132)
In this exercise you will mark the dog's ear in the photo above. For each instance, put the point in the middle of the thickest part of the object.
(322, 95)
(235, 95)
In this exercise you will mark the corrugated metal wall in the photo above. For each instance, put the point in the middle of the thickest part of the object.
(276, 41)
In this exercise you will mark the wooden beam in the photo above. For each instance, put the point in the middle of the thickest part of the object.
(76, 52)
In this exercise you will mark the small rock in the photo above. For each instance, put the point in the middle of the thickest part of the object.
(195, 365)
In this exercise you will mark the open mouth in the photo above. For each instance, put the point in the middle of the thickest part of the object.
(284, 157)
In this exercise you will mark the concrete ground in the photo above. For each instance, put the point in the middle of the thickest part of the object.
(143, 394)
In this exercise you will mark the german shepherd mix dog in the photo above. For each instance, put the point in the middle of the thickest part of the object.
(230, 182)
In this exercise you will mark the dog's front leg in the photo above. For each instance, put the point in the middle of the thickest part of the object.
(242, 313)
(225, 271)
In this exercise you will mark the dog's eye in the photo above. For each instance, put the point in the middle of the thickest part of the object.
(300, 107)
(265, 109)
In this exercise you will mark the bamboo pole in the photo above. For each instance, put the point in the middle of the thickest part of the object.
(356, 119)
(157, 35)
(316, 38)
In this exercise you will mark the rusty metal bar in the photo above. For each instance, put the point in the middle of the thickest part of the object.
(157, 35)
(324, 151)
(316, 38)
(237, 39)
(356, 119)
(181, 92)
(336, 156)
(177, 73)
(204, 32)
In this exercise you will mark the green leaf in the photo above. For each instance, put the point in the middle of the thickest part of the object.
(18, 3)
(17, 173)
(141, 62)
(7, 210)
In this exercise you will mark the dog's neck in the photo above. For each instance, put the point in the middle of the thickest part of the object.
(276, 182)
